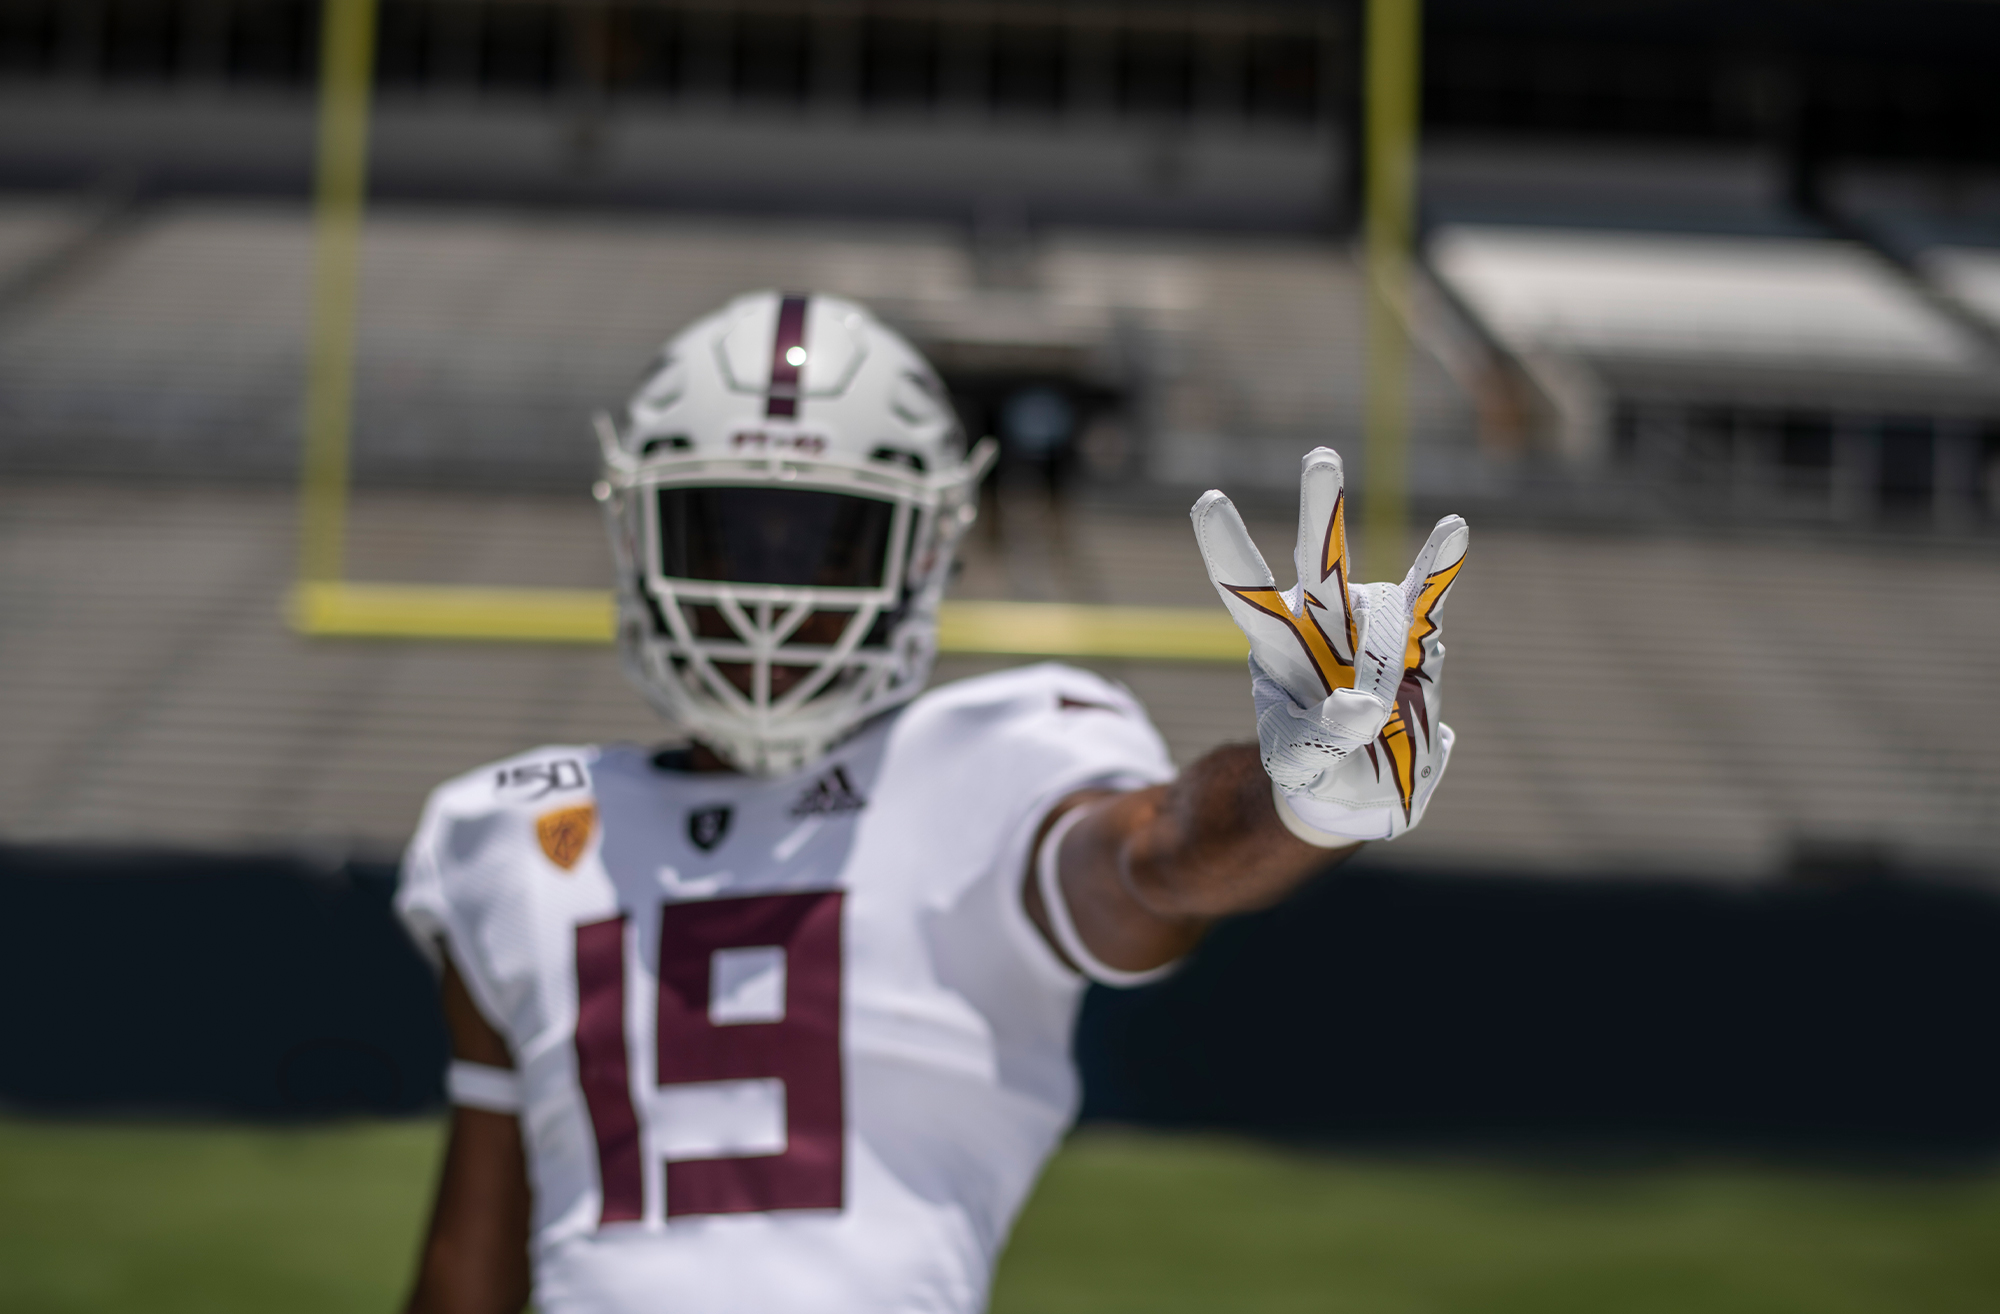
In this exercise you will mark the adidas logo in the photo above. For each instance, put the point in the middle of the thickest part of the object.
(832, 795)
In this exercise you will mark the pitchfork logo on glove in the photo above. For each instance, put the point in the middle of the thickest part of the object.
(1344, 676)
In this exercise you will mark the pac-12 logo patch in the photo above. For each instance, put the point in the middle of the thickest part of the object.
(707, 827)
(565, 833)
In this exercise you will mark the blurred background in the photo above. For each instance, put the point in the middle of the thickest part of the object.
(1704, 325)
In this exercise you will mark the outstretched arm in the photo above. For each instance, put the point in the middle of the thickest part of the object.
(475, 1259)
(1146, 873)
(1344, 679)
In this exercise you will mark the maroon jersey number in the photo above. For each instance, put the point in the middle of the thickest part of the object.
(800, 1046)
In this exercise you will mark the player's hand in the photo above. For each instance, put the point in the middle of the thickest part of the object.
(1344, 676)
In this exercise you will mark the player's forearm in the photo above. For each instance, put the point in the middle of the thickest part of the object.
(1210, 843)
(475, 1260)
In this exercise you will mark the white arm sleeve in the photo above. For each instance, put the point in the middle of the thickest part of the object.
(1057, 905)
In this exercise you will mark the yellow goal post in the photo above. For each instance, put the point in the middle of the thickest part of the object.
(324, 602)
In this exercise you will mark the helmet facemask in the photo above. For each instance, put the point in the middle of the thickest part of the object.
(771, 605)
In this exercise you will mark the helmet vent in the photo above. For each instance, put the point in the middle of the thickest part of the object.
(675, 442)
(899, 456)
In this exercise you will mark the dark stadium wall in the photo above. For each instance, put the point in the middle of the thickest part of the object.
(1434, 1010)
(211, 985)
(1847, 1015)
(1203, 175)
(1207, 115)
(1197, 112)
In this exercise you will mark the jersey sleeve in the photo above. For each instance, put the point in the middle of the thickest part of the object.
(1022, 741)
(1083, 731)
(420, 897)
(1105, 741)
(464, 887)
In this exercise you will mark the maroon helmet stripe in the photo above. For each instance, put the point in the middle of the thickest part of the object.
(783, 399)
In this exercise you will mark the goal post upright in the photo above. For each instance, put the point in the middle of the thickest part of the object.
(347, 52)
(1391, 72)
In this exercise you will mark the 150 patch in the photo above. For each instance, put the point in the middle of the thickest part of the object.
(540, 779)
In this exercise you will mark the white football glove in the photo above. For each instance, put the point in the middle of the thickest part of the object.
(1344, 677)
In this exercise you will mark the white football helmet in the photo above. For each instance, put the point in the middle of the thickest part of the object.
(784, 498)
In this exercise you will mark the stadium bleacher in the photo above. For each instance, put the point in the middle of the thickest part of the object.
(174, 345)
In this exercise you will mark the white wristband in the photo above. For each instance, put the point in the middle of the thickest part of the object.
(478, 1086)
(1057, 907)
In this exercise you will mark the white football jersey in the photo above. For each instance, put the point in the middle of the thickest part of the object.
(784, 1045)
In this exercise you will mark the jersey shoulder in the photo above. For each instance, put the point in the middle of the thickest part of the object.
(1025, 691)
(1047, 710)
(477, 826)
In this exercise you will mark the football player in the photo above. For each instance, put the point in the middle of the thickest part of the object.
(781, 1021)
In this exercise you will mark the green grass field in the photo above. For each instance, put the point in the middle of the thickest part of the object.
(97, 1217)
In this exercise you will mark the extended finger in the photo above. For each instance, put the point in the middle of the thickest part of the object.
(1293, 647)
(1321, 553)
(1232, 559)
(1430, 579)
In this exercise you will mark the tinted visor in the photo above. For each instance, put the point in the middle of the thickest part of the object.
(792, 536)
